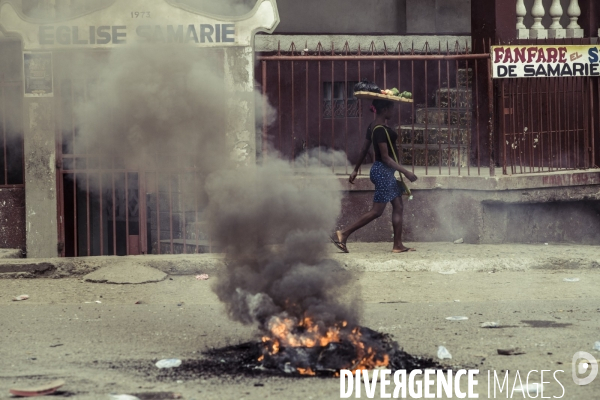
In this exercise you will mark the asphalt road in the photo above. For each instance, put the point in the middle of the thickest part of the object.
(111, 346)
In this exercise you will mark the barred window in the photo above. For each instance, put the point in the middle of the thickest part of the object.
(344, 103)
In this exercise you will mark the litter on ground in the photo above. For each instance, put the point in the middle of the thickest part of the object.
(490, 325)
(41, 390)
(168, 363)
(443, 353)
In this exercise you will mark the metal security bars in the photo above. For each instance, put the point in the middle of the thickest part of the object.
(108, 207)
(444, 132)
(548, 124)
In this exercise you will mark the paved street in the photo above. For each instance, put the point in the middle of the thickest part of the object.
(110, 347)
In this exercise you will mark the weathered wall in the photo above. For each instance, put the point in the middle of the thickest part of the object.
(40, 177)
(315, 16)
(566, 221)
(484, 214)
(438, 16)
(342, 16)
(11, 66)
(12, 215)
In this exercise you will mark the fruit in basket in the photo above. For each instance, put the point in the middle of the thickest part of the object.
(390, 92)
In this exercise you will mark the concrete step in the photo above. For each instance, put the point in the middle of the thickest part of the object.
(455, 97)
(433, 134)
(443, 116)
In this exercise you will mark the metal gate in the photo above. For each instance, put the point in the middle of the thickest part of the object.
(548, 124)
(106, 208)
(445, 131)
(461, 122)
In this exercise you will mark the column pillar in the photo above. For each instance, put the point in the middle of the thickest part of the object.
(40, 177)
(556, 31)
(522, 31)
(240, 120)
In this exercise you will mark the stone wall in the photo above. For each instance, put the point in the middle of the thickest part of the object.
(478, 212)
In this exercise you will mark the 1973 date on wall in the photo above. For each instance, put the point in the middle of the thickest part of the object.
(140, 14)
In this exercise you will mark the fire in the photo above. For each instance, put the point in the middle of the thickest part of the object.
(306, 371)
(288, 332)
(368, 358)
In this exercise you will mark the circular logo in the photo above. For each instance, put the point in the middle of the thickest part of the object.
(582, 362)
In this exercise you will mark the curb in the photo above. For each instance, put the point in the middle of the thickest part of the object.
(56, 268)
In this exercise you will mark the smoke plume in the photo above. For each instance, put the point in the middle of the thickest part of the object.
(163, 108)
(273, 224)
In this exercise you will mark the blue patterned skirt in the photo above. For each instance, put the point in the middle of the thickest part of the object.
(386, 188)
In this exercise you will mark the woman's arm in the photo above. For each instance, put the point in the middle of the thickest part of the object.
(363, 153)
(387, 160)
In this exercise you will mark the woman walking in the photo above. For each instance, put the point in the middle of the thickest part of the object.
(387, 190)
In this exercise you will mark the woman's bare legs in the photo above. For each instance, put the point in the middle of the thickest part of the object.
(375, 212)
(397, 211)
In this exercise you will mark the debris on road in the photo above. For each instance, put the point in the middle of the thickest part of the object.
(597, 346)
(21, 297)
(168, 363)
(490, 325)
(202, 277)
(451, 272)
(443, 353)
(459, 318)
(158, 395)
(122, 397)
(40, 390)
(459, 241)
(56, 345)
(571, 280)
(140, 302)
(515, 351)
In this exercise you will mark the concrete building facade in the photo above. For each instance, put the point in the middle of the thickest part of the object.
(553, 205)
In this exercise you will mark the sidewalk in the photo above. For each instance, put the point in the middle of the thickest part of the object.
(368, 257)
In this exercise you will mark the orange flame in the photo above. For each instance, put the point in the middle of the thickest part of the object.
(287, 331)
(306, 371)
